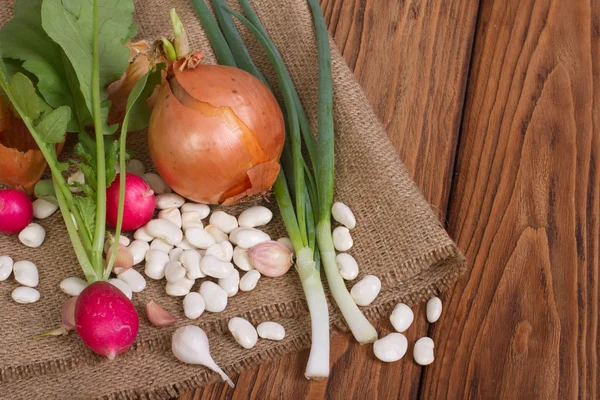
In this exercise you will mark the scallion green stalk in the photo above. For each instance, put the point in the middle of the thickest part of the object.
(361, 328)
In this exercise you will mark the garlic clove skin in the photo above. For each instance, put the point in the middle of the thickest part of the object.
(123, 259)
(189, 344)
(158, 316)
(271, 258)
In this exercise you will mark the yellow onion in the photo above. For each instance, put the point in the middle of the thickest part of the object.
(216, 133)
(21, 161)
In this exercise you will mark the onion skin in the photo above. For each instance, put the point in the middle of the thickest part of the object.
(21, 161)
(118, 92)
(216, 134)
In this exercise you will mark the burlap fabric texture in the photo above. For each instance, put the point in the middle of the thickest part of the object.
(398, 238)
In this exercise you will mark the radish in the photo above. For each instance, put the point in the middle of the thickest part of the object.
(16, 211)
(139, 203)
(106, 319)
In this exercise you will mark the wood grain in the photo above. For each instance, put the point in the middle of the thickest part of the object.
(412, 59)
(525, 208)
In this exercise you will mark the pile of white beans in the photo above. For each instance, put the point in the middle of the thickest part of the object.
(26, 274)
(393, 346)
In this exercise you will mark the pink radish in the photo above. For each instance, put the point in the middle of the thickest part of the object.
(139, 203)
(16, 211)
(106, 319)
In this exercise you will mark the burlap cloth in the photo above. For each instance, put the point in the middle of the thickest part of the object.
(398, 238)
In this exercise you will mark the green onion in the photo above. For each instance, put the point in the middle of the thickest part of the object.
(215, 36)
(361, 328)
(298, 216)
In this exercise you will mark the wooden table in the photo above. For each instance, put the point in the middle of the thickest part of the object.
(494, 106)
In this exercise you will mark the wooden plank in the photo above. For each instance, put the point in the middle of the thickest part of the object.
(525, 208)
(412, 59)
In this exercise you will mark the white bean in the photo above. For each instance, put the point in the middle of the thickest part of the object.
(172, 215)
(402, 317)
(243, 332)
(241, 259)
(249, 280)
(138, 249)
(43, 209)
(423, 351)
(347, 265)
(199, 238)
(33, 235)
(250, 237)
(161, 245)
(218, 234)
(220, 250)
(73, 286)
(175, 253)
(271, 330)
(255, 216)
(202, 209)
(231, 284)
(156, 262)
(6, 267)
(212, 266)
(169, 200)
(434, 309)
(142, 234)
(342, 240)
(25, 295)
(174, 271)
(214, 296)
(287, 242)
(179, 288)
(233, 234)
(122, 286)
(135, 167)
(223, 221)
(391, 347)
(190, 259)
(366, 290)
(26, 273)
(76, 177)
(189, 219)
(134, 279)
(166, 230)
(123, 240)
(186, 245)
(342, 214)
(193, 305)
(156, 183)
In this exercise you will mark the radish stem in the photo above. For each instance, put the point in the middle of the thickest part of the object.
(100, 225)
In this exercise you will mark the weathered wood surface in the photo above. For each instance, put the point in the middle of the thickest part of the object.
(525, 209)
(521, 197)
(412, 58)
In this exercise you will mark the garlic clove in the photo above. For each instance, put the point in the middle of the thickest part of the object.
(270, 258)
(123, 259)
(158, 316)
